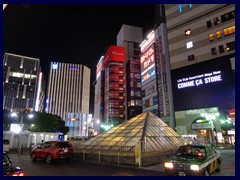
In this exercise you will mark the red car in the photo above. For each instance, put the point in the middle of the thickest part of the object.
(52, 150)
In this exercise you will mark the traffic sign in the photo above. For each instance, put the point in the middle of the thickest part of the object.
(232, 113)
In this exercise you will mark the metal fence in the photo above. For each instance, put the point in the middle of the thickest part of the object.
(128, 155)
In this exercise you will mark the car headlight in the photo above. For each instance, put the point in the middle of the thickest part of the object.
(195, 167)
(168, 165)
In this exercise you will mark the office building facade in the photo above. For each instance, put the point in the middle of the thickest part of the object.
(155, 73)
(110, 90)
(23, 83)
(68, 89)
(130, 38)
(202, 54)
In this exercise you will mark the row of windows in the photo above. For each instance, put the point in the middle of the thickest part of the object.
(17, 103)
(135, 75)
(135, 103)
(224, 18)
(229, 47)
(135, 84)
(226, 32)
(135, 66)
(136, 93)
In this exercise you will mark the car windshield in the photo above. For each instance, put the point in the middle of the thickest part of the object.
(195, 151)
(63, 144)
(6, 160)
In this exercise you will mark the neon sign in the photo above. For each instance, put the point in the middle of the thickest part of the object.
(147, 42)
(148, 58)
(199, 80)
(148, 64)
(148, 75)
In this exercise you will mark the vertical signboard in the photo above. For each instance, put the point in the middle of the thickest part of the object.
(161, 76)
(148, 66)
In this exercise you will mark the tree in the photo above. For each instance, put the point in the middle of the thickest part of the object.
(43, 122)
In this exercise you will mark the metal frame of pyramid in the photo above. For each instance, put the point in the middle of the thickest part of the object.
(144, 135)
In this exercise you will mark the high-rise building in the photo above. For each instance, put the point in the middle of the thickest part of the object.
(156, 76)
(110, 89)
(202, 54)
(68, 89)
(99, 97)
(130, 38)
(23, 83)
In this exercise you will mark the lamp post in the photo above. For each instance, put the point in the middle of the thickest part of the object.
(20, 115)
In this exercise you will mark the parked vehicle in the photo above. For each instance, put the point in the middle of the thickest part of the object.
(194, 159)
(35, 145)
(52, 150)
(9, 169)
(6, 145)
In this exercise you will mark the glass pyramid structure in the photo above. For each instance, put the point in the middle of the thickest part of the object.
(147, 128)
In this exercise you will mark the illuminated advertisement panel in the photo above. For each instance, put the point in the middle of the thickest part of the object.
(148, 66)
(147, 42)
(203, 85)
(114, 53)
(99, 67)
(37, 104)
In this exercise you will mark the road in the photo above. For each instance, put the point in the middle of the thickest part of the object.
(76, 168)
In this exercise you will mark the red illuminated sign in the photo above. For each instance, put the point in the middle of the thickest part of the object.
(232, 113)
(114, 53)
(99, 65)
(147, 58)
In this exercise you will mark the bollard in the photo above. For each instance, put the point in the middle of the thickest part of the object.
(20, 149)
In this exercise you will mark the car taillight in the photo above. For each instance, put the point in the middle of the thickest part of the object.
(18, 174)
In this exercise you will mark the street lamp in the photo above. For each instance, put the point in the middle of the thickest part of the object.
(20, 115)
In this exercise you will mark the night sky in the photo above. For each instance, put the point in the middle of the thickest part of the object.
(70, 33)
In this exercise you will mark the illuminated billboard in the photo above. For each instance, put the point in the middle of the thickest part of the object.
(99, 67)
(147, 42)
(148, 66)
(114, 53)
(203, 85)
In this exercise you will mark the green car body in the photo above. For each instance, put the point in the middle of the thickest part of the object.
(194, 160)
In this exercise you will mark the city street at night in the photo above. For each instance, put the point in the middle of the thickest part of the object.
(76, 168)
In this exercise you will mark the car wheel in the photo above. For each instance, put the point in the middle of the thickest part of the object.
(206, 172)
(33, 157)
(49, 159)
(218, 167)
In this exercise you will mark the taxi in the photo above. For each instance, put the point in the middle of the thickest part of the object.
(194, 160)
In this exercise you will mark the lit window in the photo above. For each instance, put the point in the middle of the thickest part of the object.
(132, 103)
(218, 34)
(229, 30)
(189, 44)
(188, 32)
(211, 37)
